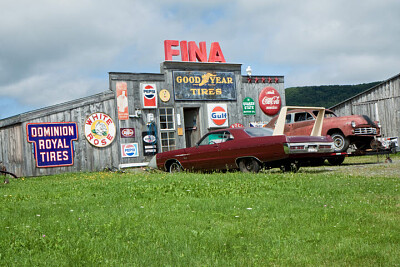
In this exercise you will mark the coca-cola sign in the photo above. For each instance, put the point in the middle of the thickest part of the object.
(270, 101)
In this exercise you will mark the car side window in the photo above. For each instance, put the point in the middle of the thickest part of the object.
(216, 138)
(303, 116)
(288, 118)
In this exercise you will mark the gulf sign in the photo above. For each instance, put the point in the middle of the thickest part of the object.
(217, 115)
(129, 150)
(270, 101)
(53, 143)
(149, 95)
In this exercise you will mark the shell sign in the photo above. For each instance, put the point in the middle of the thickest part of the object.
(270, 101)
(217, 115)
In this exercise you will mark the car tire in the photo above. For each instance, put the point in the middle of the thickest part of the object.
(336, 160)
(340, 142)
(290, 167)
(175, 167)
(249, 165)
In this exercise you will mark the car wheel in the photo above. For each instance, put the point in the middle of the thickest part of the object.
(340, 143)
(336, 160)
(290, 167)
(175, 167)
(249, 165)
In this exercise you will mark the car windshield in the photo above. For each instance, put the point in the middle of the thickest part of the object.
(255, 131)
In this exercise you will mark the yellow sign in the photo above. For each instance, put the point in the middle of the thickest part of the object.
(180, 131)
(165, 95)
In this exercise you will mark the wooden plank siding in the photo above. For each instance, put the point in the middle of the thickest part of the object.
(380, 102)
(16, 152)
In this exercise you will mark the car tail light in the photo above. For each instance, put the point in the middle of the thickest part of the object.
(297, 147)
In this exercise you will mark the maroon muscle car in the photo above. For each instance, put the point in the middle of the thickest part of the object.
(345, 130)
(247, 149)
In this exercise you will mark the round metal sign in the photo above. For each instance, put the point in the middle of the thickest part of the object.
(99, 129)
(270, 101)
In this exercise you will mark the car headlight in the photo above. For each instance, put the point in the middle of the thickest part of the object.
(353, 124)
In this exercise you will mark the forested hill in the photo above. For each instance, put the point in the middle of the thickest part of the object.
(323, 96)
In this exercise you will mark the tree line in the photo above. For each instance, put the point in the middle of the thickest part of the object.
(325, 95)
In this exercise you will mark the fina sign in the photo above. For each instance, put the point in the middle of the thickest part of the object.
(217, 115)
(53, 143)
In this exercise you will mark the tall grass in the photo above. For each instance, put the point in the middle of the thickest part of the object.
(193, 219)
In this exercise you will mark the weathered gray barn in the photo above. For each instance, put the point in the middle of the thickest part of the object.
(35, 143)
(381, 103)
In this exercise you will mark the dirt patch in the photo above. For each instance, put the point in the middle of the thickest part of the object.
(368, 166)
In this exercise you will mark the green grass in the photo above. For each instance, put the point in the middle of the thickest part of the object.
(311, 218)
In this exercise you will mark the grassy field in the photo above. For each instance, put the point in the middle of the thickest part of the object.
(332, 216)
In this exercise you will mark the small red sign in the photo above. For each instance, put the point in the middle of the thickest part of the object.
(270, 101)
(127, 132)
(236, 125)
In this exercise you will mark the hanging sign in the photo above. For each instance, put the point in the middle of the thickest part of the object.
(202, 85)
(249, 106)
(129, 150)
(99, 129)
(53, 143)
(270, 101)
(122, 100)
(149, 95)
(217, 115)
(149, 143)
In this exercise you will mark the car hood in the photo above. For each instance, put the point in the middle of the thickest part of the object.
(358, 119)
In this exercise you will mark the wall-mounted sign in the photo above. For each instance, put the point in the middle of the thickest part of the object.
(217, 115)
(127, 132)
(191, 52)
(129, 150)
(165, 95)
(122, 100)
(201, 85)
(149, 143)
(249, 106)
(258, 123)
(53, 144)
(99, 129)
(270, 101)
(149, 95)
(236, 125)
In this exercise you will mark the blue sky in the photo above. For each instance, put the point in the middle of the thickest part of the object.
(55, 51)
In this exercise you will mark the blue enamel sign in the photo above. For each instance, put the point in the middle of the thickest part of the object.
(202, 85)
(53, 143)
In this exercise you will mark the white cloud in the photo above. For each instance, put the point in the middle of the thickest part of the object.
(70, 46)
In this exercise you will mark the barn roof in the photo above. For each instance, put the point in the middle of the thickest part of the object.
(31, 115)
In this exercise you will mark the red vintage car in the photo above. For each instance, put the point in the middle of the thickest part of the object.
(358, 130)
(247, 149)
